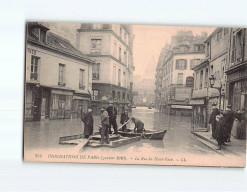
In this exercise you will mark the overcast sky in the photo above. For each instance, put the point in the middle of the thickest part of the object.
(149, 40)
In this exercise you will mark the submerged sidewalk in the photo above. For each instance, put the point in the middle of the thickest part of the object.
(235, 147)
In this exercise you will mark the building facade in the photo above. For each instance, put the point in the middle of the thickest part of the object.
(58, 76)
(215, 63)
(174, 74)
(237, 69)
(111, 47)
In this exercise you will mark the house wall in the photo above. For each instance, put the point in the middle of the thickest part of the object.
(48, 69)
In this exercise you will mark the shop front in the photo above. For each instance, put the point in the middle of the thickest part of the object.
(81, 102)
(61, 104)
(37, 100)
(237, 80)
(199, 114)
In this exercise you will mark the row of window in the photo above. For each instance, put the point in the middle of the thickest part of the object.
(96, 75)
(200, 77)
(181, 64)
(120, 53)
(96, 47)
(119, 97)
(35, 61)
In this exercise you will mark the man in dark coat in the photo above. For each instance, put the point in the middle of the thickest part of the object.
(228, 121)
(112, 112)
(88, 123)
(220, 131)
(212, 119)
(124, 118)
(139, 125)
(104, 126)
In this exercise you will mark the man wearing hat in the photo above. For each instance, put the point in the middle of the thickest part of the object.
(104, 126)
(212, 119)
(228, 121)
(87, 119)
(112, 112)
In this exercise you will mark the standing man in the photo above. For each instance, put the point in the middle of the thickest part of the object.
(112, 112)
(87, 119)
(104, 124)
(228, 121)
(124, 118)
(212, 119)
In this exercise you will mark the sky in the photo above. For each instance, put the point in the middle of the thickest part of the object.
(148, 42)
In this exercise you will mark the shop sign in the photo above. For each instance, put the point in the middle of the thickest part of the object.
(182, 93)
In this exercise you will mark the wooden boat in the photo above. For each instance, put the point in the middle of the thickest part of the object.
(148, 134)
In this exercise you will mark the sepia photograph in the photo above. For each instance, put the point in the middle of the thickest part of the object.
(135, 94)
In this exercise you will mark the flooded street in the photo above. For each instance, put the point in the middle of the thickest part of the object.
(45, 134)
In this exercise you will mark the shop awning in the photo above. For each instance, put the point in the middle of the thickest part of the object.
(80, 98)
(182, 107)
(197, 102)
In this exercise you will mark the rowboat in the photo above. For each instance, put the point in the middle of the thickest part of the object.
(148, 134)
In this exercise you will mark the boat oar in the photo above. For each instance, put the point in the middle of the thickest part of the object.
(124, 124)
(82, 144)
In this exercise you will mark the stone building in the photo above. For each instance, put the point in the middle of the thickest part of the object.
(111, 47)
(237, 69)
(176, 74)
(215, 63)
(58, 76)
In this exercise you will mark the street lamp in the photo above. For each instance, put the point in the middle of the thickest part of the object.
(212, 82)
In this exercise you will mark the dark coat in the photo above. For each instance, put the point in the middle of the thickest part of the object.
(228, 120)
(139, 125)
(112, 112)
(212, 120)
(124, 117)
(220, 131)
(88, 123)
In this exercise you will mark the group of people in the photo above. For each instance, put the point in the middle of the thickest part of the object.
(108, 118)
(225, 123)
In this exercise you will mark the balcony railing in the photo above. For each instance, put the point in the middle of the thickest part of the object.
(61, 84)
(34, 76)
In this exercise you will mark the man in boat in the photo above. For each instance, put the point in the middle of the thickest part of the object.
(139, 125)
(124, 118)
(87, 119)
(104, 126)
(112, 112)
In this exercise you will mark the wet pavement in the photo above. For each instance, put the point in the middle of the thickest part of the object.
(45, 134)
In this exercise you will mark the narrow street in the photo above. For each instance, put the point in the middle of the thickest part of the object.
(45, 134)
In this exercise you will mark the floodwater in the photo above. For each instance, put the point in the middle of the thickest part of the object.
(45, 134)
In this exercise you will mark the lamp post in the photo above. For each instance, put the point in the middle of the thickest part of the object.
(212, 82)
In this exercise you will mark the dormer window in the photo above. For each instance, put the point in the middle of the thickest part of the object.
(39, 33)
(42, 36)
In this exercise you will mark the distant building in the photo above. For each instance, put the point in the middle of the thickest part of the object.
(58, 76)
(111, 46)
(175, 73)
(145, 88)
